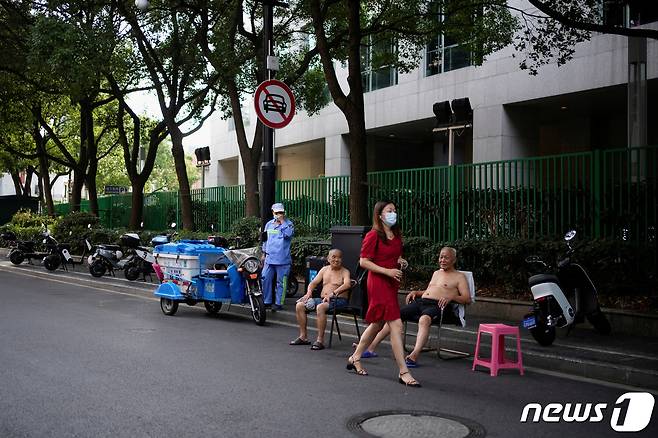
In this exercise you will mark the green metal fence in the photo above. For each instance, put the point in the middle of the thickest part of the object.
(599, 193)
(321, 203)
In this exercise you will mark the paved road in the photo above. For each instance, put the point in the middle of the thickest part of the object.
(78, 360)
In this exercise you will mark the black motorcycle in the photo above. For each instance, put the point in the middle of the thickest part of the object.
(563, 297)
(60, 255)
(21, 250)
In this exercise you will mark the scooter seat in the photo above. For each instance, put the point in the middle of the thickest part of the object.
(110, 247)
(27, 245)
(144, 248)
(542, 278)
(66, 246)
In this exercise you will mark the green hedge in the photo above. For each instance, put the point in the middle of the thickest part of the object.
(616, 267)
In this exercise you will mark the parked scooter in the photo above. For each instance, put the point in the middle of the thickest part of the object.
(562, 299)
(59, 254)
(113, 257)
(20, 250)
(142, 261)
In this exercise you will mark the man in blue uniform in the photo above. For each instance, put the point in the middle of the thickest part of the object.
(276, 248)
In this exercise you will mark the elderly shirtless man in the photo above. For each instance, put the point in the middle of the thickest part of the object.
(447, 285)
(335, 283)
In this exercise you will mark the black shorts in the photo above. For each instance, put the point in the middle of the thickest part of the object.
(419, 307)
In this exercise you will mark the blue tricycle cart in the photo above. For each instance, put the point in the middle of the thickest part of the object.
(194, 271)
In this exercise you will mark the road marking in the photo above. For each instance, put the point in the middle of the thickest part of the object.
(27, 274)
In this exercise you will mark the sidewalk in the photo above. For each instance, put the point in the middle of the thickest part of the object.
(617, 358)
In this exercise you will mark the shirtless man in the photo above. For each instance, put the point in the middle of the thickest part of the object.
(447, 285)
(335, 283)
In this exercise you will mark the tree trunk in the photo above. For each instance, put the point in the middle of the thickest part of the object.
(89, 139)
(359, 213)
(44, 170)
(76, 189)
(250, 156)
(16, 178)
(27, 186)
(137, 203)
(181, 172)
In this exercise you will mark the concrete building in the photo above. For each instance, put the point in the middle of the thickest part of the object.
(576, 107)
(58, 189)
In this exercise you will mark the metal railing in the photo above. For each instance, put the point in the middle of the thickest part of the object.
(600, 193)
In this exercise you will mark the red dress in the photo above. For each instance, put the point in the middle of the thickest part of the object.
(382, 290)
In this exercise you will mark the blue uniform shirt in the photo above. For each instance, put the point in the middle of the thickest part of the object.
(277, 245)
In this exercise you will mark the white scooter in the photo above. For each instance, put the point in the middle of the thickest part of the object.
(562, 299)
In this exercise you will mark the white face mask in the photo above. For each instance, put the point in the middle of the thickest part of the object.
(390, 218)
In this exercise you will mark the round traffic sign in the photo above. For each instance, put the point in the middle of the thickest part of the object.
(275, 104)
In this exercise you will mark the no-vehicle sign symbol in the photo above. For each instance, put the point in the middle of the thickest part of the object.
(275, 104)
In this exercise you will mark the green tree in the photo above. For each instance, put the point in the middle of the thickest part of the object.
(551, 33)
(166, 36)
(406, 24)
(232, 41)
(69, 45)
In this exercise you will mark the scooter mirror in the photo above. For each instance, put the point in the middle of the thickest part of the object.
(173, 225)
(70, 233)
(212, 227)
(570, 235)
(89, 226)
(141, 225)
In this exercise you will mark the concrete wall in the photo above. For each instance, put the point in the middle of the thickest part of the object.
(498, 133)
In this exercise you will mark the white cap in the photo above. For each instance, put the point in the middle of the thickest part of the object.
(278, 207)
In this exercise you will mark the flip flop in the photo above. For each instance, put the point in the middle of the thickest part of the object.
(367, 354)
(317, 346)
(411, 363)
(300, 341)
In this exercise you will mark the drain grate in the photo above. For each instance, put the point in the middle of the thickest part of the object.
(413, 424)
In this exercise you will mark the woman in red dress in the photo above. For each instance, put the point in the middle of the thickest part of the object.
(381, 254)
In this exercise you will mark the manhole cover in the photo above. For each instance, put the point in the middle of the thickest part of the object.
(413, 424)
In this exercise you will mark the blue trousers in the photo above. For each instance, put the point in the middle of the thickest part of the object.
(281, 272)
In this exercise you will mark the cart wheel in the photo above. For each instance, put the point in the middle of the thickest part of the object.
(17, 257)
(258, 313)
(131, 272)
(52, 262)
(97, 269)
(168, 306)
(213, 307)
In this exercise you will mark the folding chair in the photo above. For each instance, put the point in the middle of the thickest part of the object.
(354, 308)
(456, 315)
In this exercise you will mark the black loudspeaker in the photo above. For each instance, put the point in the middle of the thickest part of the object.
(462, 109)
(442, 112)
(206, 153)
(202, 154)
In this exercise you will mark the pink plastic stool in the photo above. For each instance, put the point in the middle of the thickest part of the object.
(497, 361)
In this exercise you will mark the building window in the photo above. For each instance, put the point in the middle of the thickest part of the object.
(445, 53)
(377, 70)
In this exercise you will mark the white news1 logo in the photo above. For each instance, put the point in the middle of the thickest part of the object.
(631, 412)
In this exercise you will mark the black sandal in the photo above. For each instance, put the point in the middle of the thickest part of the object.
(413, 382)
(351, 365)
